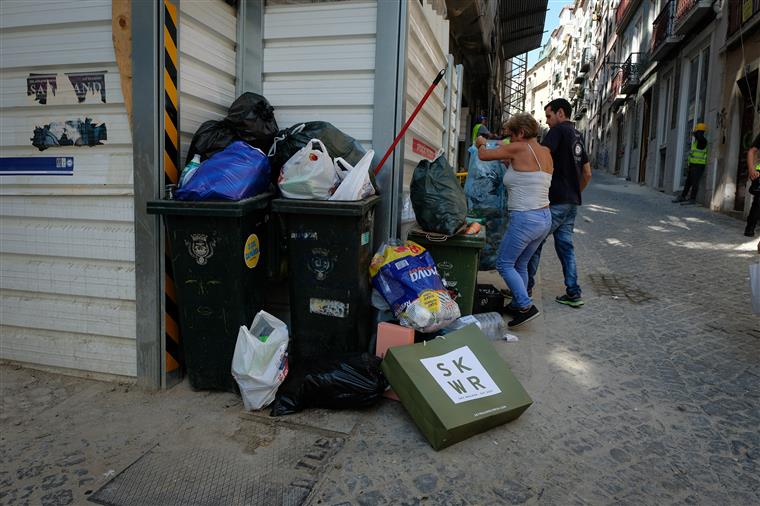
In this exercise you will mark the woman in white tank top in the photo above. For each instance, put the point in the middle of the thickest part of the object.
(527, 180)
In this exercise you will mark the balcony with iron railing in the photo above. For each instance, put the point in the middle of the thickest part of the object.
(616, 97)
(587, 57)
(624, 13)
(632, 69)
(690, 14)
(664, 38)
(580, 106)
(740, 13)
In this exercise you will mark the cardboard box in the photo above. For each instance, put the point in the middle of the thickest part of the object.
(455, 386)
(389, 334)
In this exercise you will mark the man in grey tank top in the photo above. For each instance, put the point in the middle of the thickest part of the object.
(572, 173)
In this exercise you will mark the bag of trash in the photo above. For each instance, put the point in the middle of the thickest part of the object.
(437, 198)
(407, 278)
(484, 186)
(210, 138)
(309, 174)
(338, 144)
(239, 171)
(355, 181)
(350, 381)
(252, 118)
(260, 362)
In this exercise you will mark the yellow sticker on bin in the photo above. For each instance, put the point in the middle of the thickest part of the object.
(252, 251)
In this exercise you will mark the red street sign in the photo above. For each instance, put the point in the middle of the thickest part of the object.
(423, 149)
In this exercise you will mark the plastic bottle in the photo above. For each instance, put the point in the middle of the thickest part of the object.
(492, 325)
(189, 170)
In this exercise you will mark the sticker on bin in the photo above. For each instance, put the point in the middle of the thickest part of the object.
(365, 238)
(327, 307)
(461, 375)
(252, 251)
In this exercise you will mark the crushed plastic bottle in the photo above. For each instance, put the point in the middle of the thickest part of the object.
(492, 324)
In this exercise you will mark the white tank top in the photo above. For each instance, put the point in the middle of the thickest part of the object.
(527, 190)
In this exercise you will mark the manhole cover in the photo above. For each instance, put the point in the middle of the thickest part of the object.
(283, 472)
(618, 287)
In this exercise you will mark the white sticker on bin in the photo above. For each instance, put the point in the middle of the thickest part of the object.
(461, 375)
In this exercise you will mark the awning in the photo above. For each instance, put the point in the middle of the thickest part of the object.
(522, 25)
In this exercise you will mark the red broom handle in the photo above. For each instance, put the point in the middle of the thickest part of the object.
(411, 118)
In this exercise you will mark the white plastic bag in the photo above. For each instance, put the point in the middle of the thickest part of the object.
(356, 184)
(754, 285)
(260, 367)
(309, 174)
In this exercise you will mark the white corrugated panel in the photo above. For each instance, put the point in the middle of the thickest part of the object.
(207, 44)
(427, 49)
(319, 64)
(67, 275)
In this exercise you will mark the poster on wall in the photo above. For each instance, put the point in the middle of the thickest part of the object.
(37, 166)
(66, 88)
(76, 132)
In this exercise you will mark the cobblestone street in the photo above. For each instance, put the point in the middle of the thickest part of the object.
(649, 394)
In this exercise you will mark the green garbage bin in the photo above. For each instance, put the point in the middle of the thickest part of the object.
(329, 251)
(457, 259)
(218, 253)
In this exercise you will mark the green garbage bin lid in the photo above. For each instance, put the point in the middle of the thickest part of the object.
(328, 207)
(424, 238)
(231, 209)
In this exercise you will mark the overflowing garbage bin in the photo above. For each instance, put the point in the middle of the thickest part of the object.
(456, 258)
(219, 254)
(329, 251)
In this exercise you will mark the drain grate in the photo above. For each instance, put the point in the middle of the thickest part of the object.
(617, 287)
(282, 471)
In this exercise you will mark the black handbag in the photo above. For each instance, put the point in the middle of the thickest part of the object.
(754, 188)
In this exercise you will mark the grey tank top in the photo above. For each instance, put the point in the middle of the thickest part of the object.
(527, 190)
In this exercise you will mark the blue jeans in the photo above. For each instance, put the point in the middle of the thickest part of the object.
(526, 231)
(563, 221)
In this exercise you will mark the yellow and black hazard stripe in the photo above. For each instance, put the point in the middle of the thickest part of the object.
(171, 176)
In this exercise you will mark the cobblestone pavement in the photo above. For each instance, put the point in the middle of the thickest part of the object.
(649, 394)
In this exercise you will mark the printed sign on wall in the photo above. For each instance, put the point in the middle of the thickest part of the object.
(67, 88)
(461, 375)
(422, 149)
(37, 165)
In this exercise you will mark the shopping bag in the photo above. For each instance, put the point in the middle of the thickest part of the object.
(355, 182)
(455, 386)
(309, 174)
(407, 278)
(260, 362)
(754, 285)
(238, 172)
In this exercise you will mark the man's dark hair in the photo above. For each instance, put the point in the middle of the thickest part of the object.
(560, 103)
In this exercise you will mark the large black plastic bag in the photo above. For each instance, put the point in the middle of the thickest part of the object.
(437, 198)
(350, 381)
(210, 138)
(290, 140)
(252, 118)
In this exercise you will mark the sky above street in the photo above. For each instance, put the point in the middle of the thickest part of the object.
(552, 19)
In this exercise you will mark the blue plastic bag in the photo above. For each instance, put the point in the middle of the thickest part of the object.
(238, 172)
(484, 187)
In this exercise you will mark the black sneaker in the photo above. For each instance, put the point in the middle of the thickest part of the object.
(678, 199)
(689, 202)
(570, 301)
(522, 317)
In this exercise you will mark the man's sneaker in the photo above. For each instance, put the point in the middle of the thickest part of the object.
(689, 202)
(522, 317)
(570, 301)
(678, 199)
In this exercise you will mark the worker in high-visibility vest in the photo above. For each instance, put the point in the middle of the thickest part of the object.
(698, 156)
(481, 130)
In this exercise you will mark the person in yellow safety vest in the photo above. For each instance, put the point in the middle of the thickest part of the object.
(698, 156)
(480, 129)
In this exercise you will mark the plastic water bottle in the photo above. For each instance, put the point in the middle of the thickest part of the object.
(492, 325)
(189, 170)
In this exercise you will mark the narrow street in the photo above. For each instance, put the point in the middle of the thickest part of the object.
(649, 394)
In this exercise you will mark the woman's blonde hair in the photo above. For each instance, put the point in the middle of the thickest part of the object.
(523, 122)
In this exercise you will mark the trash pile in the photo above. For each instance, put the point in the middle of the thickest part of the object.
(317, 184)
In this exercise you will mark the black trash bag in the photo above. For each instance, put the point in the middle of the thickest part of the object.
(210, 138)
(290, 140)
(437, 197)
(252, 118)
(350, 381)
